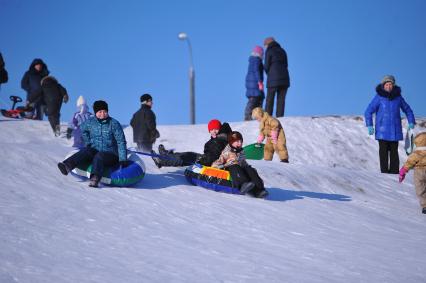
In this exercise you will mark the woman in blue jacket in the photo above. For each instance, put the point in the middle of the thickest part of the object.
(105, 144)
(254, 82)
(386, 105)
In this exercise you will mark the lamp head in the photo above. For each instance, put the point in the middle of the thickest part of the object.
(182, 36)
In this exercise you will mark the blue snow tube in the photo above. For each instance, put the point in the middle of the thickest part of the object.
(114, 176)
(211, 178)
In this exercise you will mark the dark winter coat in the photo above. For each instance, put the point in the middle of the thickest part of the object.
(387, 107)
(254, 76)
(105, 136)
(276, 66)
(144, 125)
(213, 148)
(52, 93)
(31, 81)
(3, 73)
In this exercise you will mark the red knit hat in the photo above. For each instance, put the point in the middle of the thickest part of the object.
(214, 124)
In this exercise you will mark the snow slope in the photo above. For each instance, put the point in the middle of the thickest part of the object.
(330, 217)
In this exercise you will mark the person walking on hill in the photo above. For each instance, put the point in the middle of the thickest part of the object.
(144, 125)
(254, 82)
(105, 145)
(31, 83)
(276, 67)
(271, 129)
(386, 105)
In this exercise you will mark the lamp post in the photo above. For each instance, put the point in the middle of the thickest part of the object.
(184, 36)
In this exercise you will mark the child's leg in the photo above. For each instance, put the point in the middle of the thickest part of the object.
(281, 147)
(238, 175)
(420, 185)
(255, 178)
(268, 151)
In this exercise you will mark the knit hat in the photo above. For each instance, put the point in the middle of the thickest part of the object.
(258, 50)
(388, 78)
(100, 105)
(146, 98)
(268, 40)
(235, 136)
(257, 113)
(214, 125)
(80, 101)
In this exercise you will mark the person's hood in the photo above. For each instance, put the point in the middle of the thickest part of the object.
(83, 108)
(38, 61)
(396, 91)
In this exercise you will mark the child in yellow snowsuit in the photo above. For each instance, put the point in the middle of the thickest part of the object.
(271, 128)
(417, 160)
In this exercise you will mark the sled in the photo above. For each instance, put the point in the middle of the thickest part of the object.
(19, 112)
(254, 151)
(409, 142)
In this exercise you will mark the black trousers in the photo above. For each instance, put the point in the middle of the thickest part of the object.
(281, 94)
(99, 160)
(253, 102)
(389, 158)
(241, 175)
(178, 159)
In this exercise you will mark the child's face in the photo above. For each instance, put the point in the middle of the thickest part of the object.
(214, 133)
(237, 144)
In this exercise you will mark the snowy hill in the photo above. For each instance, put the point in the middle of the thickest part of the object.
(330, 217)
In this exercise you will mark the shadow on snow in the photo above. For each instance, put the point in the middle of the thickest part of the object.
(276, 194)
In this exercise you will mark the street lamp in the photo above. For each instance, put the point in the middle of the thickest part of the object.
(184, 36)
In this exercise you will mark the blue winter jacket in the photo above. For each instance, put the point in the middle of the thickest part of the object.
(254, 76)
(105, 136)
(387, 107)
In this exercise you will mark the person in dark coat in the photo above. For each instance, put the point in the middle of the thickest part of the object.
(53, 94)
(4, 77)
(276, 67)
(212, 149)
(31, 83)
(386, 105)
(105, 144)
(254, 82)
(144, 125)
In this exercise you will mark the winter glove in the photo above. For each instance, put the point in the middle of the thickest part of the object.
(260, 84)
(370, 130)
(260, 138)
(69, 133)
(402, 173)
(274, 137)
(411, 126)
(66, 98)
(124, 164)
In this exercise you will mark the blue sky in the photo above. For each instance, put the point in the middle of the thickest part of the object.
(338, 52)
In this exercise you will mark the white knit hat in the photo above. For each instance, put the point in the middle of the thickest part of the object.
(80, 101)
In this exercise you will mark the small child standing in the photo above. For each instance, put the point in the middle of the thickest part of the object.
(243, 175)
(78, 118)
(271, 129)
(254, 82)
(417, 160)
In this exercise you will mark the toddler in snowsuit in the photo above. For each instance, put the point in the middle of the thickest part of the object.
(244, 177)
(78, 118)
(271, 128)
(417, 160)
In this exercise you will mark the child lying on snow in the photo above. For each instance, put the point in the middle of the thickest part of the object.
(417, 160)
(243, 175)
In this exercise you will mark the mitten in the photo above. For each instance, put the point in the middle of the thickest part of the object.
(402, 173)
(69, 133)
(370, 130)
(260, 138)
(411, 126)
(260, 84)
(274, 137)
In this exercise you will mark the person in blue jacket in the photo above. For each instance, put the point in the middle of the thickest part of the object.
(105, 144)
(254, 82)
(386, 105)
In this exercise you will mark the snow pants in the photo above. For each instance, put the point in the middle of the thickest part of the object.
(280, 147)
(389, 158)
(420, 185)
(281, 92)
(241, 175)
(99, 160)
(145, 147)
(178, 159)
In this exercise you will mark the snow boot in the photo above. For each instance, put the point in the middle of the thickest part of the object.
(156, 159)
(247, 187)
(63, 168)
(94, 181)
(163, 151)
(424, 210)
(57, 130)
(284, 160)
(262, 194)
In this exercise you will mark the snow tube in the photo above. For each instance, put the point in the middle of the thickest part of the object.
(211, 178)
(113, 176)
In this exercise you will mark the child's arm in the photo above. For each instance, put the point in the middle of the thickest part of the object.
(220, 161)
(412, 160)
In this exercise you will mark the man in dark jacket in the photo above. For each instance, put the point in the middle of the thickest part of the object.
(31, 83)
(144, 125)
(52, 93)
(3, 73)
(276, 67)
